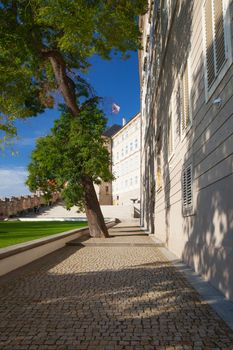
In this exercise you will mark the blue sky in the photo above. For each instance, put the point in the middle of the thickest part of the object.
(116, 81)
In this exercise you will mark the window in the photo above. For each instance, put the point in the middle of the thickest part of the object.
(178, 109)
(164, 17)
(185, 100)
(122, 152)
(145, 64)
(106, 189)
(117, 156)
(187, 187)
(158, 160)
(156, 58)
(131, 146)
(136, 180)
(151, 11)
(126, 167)
(131, 181)
(216, 42)
(126, 149)
(170, 135)
(136, 143)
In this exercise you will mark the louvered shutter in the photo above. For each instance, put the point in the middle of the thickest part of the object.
(184, 189)
(187, 185)
(186, 95)
(178, 108)
(219, 34)
(214, 39)
(209, 43)
(145, 64)
(171, 128)
(185, 115)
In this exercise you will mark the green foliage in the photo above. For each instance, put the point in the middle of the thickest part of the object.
(74, 148)
(76, 29)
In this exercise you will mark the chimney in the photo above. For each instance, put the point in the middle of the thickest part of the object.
(123, 121)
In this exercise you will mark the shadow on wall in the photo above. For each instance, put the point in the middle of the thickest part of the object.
(149, 188)
(177, 53)
(209, 230)
(209, 248)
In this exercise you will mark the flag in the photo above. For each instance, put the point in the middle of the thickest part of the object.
(115, 108)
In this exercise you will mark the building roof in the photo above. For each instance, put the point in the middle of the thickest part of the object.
(138, 115)
(112, 130)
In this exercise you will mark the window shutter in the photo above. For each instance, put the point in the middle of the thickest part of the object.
(187, 181)
(189, 186)
(158, 156)
(219, 34)
(184, 190)
(186, 96)
(170, 133)
(178, 109)
(145, 64)
(185, 115)
(209, 42)
(215, 47)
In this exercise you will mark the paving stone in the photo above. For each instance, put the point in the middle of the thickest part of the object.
(123, 295)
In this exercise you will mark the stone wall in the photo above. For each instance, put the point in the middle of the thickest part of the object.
(15, 205)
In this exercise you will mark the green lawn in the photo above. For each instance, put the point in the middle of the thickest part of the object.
(13, 232)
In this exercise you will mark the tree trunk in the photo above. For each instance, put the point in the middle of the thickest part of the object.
(66, 86)
(97, 226)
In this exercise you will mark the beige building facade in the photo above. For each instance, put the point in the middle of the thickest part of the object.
(126, 163)
(186, 77)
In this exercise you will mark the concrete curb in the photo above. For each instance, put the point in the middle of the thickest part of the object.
(21, 254)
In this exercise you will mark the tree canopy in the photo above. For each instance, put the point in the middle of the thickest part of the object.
(44, 43)
(75, 148)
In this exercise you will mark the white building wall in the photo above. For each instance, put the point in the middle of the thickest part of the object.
(126, 163)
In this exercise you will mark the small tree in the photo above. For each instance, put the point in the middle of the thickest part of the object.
(71, 158)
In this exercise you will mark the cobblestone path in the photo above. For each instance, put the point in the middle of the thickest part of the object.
(107, 295)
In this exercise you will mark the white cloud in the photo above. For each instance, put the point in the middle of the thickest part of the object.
(12, 182)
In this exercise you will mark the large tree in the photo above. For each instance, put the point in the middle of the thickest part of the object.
(45, 43)
(71, 158)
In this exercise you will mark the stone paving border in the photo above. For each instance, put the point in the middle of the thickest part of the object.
(222, 306)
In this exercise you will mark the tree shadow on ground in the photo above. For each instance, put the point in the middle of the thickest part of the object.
(151, 304)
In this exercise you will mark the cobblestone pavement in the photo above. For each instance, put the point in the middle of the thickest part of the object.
(107, 297)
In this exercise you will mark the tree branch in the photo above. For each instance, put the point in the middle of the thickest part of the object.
(65, 83)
